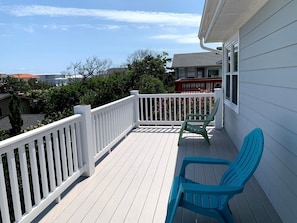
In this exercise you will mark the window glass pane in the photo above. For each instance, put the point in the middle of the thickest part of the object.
(191, 72)
(234, 89)
(228, 87)
(228, 61)
(181, 72)
(235, 58)
(213, 73)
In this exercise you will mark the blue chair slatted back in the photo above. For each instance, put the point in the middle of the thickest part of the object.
(243, 167)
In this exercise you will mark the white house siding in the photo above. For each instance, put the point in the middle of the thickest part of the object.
(268, 99)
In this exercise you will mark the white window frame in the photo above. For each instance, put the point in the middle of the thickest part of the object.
(231, 46)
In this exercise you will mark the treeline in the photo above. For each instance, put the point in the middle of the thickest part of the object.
(148, 74)
(145, 71)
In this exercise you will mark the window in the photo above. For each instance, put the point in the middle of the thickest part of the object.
(191, 72)
(231, 73)
(181, 73)
(213, 72)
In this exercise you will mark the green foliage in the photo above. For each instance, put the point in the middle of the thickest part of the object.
(151, 85)
(33, 84)
(62, 98)
(38, 101)
(3, 135)
(15, 116)
(13, 84)
(146, 64)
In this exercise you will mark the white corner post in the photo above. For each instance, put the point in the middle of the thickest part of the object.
(86, 138)
(219, 116)
(136, 107)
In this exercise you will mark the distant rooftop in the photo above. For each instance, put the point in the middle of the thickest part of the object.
(196, 59)
(24, 76)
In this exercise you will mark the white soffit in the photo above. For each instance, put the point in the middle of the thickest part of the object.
(222, 18)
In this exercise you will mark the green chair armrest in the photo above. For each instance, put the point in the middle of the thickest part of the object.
(195, 116)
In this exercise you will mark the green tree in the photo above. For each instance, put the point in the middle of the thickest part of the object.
(58, 99)
(15, 116)
(151, 85)
(14, 84)
(34, 84)
(3, 135)
(147, 63)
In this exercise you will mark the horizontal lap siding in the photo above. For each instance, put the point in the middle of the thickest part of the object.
(268, 95)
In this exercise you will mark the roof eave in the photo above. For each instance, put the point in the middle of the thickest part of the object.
(222, 18)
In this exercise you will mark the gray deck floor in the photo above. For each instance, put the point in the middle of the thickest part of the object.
(132, 184)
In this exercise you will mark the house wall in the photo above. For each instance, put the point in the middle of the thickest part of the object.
(268, 99)
(4, 107)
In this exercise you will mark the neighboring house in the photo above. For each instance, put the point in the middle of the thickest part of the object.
(28, 119)
(196, 71)
(119, 70)
(197, 65)
(2, 77)
(55, 79)
(260, 86)
(4, 105)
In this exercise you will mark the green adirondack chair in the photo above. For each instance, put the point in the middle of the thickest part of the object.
(212, 200)
(197, 123)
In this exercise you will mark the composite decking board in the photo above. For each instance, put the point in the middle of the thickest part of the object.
(88, 192)
(146, 173)
(127, 165)
(132, 183)
(152, 199)
(145, 193)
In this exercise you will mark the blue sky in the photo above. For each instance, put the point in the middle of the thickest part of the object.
(47, 36)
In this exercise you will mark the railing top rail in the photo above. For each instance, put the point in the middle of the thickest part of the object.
(28, 136)
(208, 94)
(102, 107)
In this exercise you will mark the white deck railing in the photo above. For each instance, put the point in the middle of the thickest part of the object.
(110, 123)
(171, 109)
(36, 167)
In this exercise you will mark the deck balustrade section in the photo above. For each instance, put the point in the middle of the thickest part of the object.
(111, 123)
(37, 166)
(171, 109)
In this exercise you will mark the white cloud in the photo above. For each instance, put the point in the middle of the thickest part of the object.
(177, 19)
(80, 26)
(185, 39)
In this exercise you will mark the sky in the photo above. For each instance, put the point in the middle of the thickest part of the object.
(48, 36)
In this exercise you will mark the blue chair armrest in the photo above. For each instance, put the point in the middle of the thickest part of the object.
(210, 189)
(201, 160)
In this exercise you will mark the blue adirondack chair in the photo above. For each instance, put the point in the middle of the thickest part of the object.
(197, 123)
(212, 200)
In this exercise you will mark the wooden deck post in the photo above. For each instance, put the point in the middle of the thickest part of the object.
(86, 138)
(219, 116)
(136, 107)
